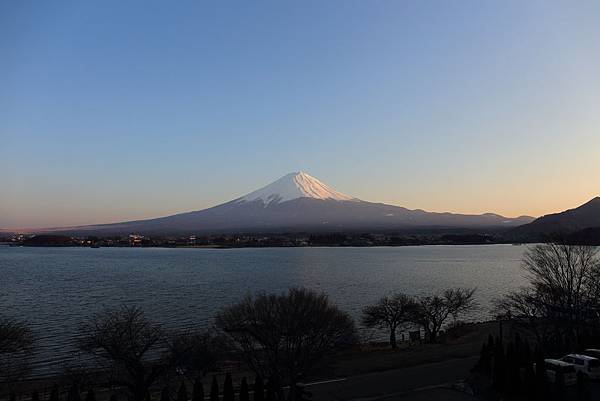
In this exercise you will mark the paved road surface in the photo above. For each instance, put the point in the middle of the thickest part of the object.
(393, 383)
(438, 394)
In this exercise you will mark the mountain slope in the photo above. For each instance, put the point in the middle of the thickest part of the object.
(299, 202)
(572, 220)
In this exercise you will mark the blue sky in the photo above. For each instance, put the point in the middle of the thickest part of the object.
(122, 110)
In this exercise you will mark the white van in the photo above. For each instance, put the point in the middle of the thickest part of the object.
(555, 366)
(585, 364)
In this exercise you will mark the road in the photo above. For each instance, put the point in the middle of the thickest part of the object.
(393, 383)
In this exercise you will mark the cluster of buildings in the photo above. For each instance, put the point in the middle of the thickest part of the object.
(248, 240)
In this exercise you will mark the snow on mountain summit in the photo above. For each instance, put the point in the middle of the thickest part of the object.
(293, 186)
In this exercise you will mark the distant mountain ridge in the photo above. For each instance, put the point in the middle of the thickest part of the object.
(584, 217)
(298, 202)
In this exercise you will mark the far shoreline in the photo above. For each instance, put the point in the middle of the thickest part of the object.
(264, 247)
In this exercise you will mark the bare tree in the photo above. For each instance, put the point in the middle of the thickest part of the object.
(433, 311)
(16, 346)
(390, 313)
(197, 352)
(563, 298)
(133, 349)
(282, 336)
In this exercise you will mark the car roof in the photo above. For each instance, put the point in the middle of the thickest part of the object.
(592, 350)
(557, 362)
(581, 356)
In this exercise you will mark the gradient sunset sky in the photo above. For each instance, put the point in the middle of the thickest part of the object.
(112, 111)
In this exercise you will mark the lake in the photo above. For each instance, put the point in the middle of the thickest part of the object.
(55, 289)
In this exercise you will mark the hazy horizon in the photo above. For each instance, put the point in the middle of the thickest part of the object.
(118, 220)
(112, 112)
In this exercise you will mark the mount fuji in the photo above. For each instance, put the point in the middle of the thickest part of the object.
(299, 202)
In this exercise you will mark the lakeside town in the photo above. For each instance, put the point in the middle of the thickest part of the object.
(252, 240)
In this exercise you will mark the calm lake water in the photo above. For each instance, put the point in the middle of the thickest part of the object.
(55, 289)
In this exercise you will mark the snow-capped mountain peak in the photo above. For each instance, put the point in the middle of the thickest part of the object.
(296, 202)
(293, 186)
